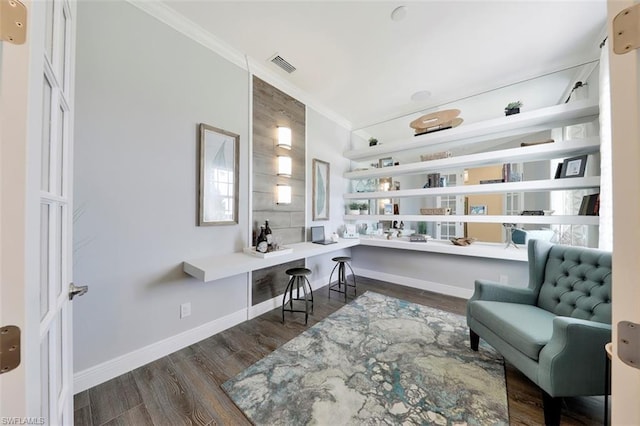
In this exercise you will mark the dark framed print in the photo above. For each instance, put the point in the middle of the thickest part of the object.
(573, 167)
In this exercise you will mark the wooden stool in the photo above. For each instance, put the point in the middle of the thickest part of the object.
(342, 277)
(298, 279)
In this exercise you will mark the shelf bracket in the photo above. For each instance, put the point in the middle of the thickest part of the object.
(626, 30)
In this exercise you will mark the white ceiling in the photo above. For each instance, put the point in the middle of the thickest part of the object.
(352, 58)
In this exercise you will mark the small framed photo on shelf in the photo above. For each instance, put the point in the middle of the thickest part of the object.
(386, 162)
(388, 208)
(478, 209)
(573, 167)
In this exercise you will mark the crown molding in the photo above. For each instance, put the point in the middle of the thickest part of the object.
(188, 28)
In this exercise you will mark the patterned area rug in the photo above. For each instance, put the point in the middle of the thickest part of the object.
(378, 360)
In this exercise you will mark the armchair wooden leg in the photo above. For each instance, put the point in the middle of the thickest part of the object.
(474, 339)
(552, 409)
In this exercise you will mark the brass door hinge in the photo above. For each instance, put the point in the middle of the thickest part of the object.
(9, 348)
(626, 30)
(13, 21)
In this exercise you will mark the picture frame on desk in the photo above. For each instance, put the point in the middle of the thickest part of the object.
(573, 167)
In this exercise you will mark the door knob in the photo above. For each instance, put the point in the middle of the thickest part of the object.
(77, 290)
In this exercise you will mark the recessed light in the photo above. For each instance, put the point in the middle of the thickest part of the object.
(422, 95)
(399, 13)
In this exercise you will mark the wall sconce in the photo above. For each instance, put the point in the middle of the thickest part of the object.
(284, 137)
(283, 194)
(284, 166)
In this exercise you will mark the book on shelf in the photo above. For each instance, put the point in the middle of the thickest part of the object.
(590, 205)
(537, 142)
(532, 213)
(482, 182)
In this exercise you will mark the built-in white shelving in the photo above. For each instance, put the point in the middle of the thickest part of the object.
(513, 125)
(519, 124)
(540, 220)
(546, 151)
(489, 188)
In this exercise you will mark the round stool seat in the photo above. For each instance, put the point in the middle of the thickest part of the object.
(298, 272)
(341, 259)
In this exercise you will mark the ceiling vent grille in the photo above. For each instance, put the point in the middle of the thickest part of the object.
(282, 63)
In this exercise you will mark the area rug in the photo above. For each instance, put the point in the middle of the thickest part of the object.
(377, 360)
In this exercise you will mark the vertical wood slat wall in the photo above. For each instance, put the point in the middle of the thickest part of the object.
(273, 108)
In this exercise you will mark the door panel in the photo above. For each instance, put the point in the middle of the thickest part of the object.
(36, 108)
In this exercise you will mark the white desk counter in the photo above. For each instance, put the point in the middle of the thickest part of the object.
(217, 267)
(486, 250)
(227, 265)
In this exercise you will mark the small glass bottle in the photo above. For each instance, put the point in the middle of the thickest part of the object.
(261, 242)
(268, 235)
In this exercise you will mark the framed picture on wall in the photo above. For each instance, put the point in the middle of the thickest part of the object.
(320, 197)
(573, 167)
(218, 189)
(478, 209)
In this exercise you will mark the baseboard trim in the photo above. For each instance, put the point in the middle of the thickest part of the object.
(415, 283)
(108, 370)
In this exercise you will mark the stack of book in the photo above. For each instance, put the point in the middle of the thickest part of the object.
(590, 205)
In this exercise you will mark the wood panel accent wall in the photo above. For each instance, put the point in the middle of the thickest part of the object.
(271, 282)
(273, 108)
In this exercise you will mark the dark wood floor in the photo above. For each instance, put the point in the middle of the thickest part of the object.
(184, 388)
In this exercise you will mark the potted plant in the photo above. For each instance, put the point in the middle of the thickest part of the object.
(354, 208)
(373, 141)
(364, 208)
(512, 108)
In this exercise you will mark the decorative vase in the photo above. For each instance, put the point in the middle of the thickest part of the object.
(512, 111)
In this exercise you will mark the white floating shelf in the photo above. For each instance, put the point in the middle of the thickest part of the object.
(546, 220)
(523, 186)
(466, 134)
(547, 151)
(477, 249)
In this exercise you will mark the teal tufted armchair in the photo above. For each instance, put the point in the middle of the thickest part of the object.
(555, 329)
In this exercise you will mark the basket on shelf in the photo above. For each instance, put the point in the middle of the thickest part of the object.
(436, 211)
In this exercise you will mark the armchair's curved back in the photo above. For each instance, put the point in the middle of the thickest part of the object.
(571, 281)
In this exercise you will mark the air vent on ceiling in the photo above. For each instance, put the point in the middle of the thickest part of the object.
(282, 63)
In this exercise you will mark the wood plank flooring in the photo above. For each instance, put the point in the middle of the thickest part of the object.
(183, 388)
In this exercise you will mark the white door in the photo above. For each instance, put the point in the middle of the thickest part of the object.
(625, 97)
(36, 88)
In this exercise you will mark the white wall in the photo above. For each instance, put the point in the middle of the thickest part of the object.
(142, 88)
(326, 141)
(442, 273)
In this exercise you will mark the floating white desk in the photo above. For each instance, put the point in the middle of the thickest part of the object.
(486, 250)
(217, 267)
(227, 265)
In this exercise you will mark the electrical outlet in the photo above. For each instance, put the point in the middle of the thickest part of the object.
(185, 310)
(504, 279)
